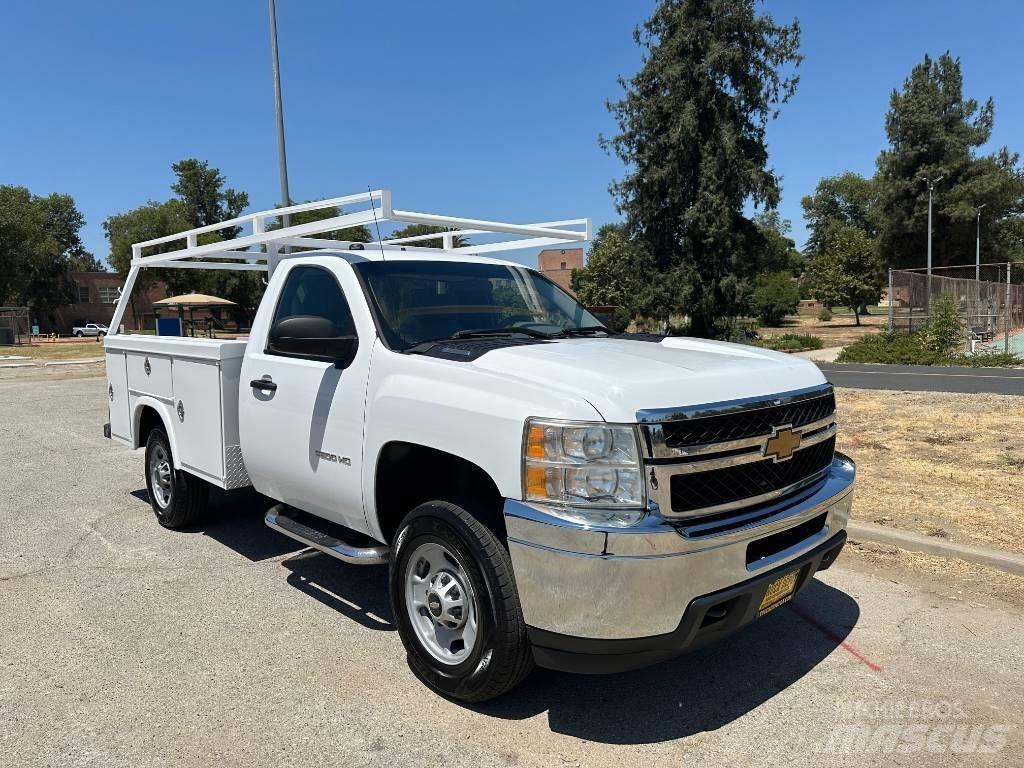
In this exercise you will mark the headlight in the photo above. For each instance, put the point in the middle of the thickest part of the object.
(584, 465)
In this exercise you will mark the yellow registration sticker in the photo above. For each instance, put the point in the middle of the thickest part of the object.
(779, 591)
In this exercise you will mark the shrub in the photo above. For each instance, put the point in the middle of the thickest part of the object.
(989, 359)
(790, 342)
(911, 349)
(945, 329)
(775, 296)
(824, 316)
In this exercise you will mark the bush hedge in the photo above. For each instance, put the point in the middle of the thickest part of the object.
(911, 349)
(790, 342)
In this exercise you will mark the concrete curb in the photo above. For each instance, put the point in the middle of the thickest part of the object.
(17, 365)
(916, 542)
(75, 362)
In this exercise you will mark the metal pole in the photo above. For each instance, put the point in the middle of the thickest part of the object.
(890, 301)
(282, 159)
(977, 249)
(1006, 313)
(930, 187)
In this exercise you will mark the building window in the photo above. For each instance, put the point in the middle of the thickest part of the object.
(563, 265)
(83, 294)
(108, 295)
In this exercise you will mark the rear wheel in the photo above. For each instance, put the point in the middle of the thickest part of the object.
(455, 603)
(178, 498)
(79, 334)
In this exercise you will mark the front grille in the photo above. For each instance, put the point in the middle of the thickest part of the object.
(747, 423)
(727, 485)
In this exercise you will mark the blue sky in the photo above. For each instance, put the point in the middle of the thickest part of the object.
(470, 108)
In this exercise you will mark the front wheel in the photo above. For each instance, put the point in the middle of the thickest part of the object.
(455, 603)
(178, 498)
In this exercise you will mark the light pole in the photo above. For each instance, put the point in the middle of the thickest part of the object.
(931, 186)
(977, 249)
(282, 160)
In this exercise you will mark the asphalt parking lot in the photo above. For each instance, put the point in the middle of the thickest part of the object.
(122, 644)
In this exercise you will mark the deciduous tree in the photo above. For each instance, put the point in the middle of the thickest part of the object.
(775, 296)
(846, 199)
(39, 246)
(850, 272)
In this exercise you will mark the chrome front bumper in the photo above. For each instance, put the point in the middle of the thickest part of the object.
(623, 583)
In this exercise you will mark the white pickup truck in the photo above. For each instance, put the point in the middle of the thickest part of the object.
(542, 490)
(90, 329)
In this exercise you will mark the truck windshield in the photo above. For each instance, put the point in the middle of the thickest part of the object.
(422, 301)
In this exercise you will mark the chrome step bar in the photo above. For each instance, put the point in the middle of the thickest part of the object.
(280, 520)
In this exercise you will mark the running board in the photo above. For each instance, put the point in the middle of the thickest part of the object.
(278, 518)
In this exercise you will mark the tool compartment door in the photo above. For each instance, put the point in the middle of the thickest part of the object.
(197, 413)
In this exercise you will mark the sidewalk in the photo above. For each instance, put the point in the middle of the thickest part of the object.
(915, 542)
(826, 355)
(25, 362)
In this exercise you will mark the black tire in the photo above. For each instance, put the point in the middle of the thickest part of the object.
(79, 334)
(182, 500)
(501, 656)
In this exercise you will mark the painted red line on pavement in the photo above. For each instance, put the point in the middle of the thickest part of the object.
(834, 637)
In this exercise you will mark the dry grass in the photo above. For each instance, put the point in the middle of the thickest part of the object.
(942, 464)
(838, 332)
(63, 350)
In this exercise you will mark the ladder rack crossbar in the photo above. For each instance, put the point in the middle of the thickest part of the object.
(378, 209)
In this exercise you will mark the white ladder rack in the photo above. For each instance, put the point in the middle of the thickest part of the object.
(261, 249)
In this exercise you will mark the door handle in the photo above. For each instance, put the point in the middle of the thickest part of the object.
(266, 384)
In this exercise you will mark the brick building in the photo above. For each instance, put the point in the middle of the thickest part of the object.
(557, 264)
(95, 297)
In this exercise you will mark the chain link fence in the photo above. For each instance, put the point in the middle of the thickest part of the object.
(14, 325)
(990, 300)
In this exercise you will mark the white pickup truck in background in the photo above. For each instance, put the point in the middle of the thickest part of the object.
(89, 329)
(542, 490)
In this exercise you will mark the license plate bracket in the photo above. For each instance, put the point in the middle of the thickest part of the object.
(779, 592)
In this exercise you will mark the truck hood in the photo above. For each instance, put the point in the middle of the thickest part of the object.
(622, 376)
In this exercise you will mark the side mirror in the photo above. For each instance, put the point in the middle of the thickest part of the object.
(312, 338)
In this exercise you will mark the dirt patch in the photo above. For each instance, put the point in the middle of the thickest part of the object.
(942, 464)
(837, 332)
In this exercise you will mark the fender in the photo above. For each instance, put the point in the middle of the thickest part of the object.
(473, 414)
(163, 410)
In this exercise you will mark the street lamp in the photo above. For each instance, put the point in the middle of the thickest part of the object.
(931, 186)
(282, 160)
(977, 250)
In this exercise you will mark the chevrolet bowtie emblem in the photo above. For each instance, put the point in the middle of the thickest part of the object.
(781, 445)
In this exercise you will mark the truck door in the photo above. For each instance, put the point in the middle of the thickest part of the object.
(301, 420)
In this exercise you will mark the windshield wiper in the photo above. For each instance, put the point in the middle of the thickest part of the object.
(586, 330)
(470, 333)
(475, 333)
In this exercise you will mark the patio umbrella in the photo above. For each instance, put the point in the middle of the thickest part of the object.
(190, 301)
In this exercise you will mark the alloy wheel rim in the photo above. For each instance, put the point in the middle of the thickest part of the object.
(441, 603)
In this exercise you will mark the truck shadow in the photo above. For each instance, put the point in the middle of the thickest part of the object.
(699, 692)
(235, 520)
(357, 592)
